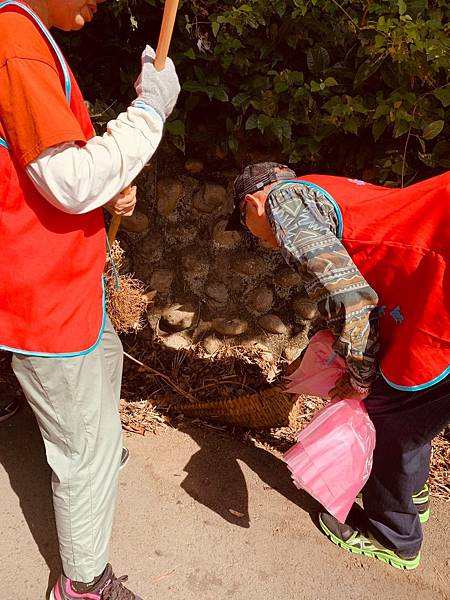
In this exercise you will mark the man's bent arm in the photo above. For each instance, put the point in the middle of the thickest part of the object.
(305, 225)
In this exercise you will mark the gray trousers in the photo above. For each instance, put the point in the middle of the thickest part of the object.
(75, 401)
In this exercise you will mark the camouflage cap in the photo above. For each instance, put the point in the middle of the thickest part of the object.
(252, 179)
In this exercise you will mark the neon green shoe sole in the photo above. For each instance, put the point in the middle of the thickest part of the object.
(358, 543)
(424, 517)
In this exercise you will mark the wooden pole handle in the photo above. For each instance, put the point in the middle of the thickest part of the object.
(165, 34)
(162, 50)
(114, 227)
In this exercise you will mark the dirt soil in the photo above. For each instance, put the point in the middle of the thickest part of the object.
(201, 516)
(205, 511)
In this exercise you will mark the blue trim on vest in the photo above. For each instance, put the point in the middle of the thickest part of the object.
(67, 354)
(422, 386)
(67, 84)
(4, 144)
(336, 206)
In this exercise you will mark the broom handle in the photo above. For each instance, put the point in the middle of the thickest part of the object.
(162, 50)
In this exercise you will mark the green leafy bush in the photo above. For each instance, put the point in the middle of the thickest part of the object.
(358, 87)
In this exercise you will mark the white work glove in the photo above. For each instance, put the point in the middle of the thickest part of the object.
(156, 89)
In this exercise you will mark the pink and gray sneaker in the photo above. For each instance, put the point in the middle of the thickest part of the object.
(109, 587)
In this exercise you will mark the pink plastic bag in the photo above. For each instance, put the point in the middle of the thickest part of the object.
(332, 458)
(320, 368)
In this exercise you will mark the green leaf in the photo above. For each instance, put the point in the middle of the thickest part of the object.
(402, 7)
(241, 101)
(366, 70)
(330, 82)
(215, 28)
(193, 86)
(281, 128)
(317, 59)
(176, 127)
(218, 93)
(443, 94)
(433, 129)
(378, 128)
(350, 125)
(189, 53)
(252, 122)
(400, 128)
(422, 143)
(279, 6)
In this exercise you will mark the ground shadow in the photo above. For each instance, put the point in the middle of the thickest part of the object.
(22, 456)
(215, 478)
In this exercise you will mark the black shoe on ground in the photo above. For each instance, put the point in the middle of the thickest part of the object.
(352, 540)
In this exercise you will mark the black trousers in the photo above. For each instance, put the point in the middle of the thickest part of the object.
(405, 424)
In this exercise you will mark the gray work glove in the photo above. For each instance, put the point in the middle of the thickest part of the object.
(157, 89)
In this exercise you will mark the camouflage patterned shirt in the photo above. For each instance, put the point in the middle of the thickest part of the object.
(305, 224)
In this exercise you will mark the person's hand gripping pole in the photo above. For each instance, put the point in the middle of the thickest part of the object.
(162, 50)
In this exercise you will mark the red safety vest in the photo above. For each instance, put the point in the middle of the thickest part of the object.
(400, 241)
(51, 267)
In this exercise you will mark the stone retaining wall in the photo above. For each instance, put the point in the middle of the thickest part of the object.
(214, 286)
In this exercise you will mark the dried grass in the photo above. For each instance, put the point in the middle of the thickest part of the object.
(126, 300)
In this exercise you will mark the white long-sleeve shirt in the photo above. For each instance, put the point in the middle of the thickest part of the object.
(78, 179)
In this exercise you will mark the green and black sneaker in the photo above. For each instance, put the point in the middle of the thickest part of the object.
(422, 501)
(355, 541)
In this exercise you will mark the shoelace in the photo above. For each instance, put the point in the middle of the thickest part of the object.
(117, 591)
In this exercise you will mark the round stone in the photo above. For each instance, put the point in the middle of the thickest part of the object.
(178, 317)
(287, 278)
(249, 265)
(225, 239)
(193, 166)
(305, 308)
(194, 263)
(182, 234)
(272, 324)
(217, 291)
(211, 344)
(260, 300)
(212, 198)
(176, 341)
(291, 353)
(136, 223)
(170, 191)
(230, 326)
(161, 280)
(151, 247)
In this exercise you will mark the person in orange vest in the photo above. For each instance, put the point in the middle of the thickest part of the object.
(375, 260)
(56, 176)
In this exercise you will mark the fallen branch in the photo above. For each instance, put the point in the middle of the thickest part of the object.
(166, 378)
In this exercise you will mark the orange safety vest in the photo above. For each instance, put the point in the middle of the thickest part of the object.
(400, 241)
(51, 268)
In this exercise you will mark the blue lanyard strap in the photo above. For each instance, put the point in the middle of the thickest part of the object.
(65, 70)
